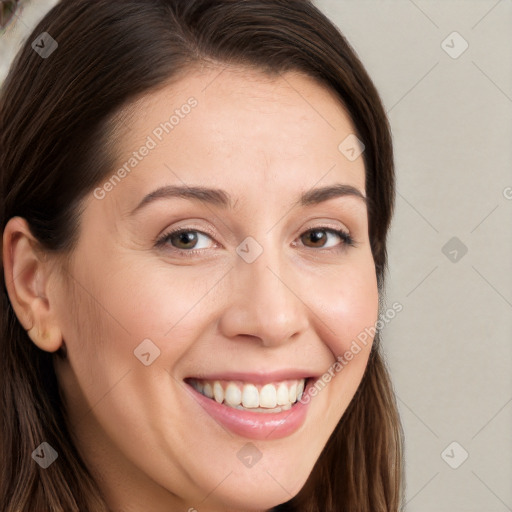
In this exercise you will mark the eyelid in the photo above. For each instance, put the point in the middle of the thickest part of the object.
(313, 224)
(324, 224)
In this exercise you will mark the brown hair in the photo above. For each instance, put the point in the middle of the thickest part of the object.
(55, 146)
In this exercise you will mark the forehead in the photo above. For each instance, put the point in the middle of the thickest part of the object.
(238, 129)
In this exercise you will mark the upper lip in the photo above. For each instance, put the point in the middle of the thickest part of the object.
(258, 377)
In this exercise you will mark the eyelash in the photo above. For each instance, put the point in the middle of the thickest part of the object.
(346, 238)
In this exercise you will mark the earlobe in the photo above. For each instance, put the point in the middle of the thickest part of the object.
(26, 280)
(48, 339)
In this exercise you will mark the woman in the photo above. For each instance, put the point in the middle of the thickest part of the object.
(195, 201)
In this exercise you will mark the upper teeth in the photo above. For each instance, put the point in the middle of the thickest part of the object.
(239, 394)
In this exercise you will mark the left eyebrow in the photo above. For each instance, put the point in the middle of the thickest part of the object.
(222, 199)
(319, 195)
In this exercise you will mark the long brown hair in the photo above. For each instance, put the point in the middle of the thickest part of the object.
(55, 145)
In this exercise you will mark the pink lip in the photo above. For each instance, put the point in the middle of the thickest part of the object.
(256, 425)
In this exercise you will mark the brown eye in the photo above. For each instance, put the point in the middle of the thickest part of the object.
(319, 237)
(187, 238)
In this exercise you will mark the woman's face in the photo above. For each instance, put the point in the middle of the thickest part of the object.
(257, 293)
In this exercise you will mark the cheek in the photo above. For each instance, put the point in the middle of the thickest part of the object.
(145, 301)
(349, 308)
(349, 311)
(151, 309)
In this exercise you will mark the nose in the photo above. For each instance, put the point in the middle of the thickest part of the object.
(266, 302)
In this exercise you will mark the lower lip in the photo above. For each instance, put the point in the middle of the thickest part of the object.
(255, 425)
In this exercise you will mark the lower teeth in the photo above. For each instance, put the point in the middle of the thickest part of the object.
(261, 409)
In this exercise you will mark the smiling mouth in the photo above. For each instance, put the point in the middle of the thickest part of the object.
(268, 398)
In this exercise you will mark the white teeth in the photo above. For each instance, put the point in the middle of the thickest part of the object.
(267, 398)
(218, 392)
(207, 390)
(283, 397)
(292, 393)
(233, 395)
(300, 389)
(250, 396)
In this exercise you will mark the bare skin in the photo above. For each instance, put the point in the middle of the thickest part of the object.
(300, 304)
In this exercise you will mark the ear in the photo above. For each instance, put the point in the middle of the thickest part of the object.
(26, 273)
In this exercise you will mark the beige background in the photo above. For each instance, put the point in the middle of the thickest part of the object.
(450, 349)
